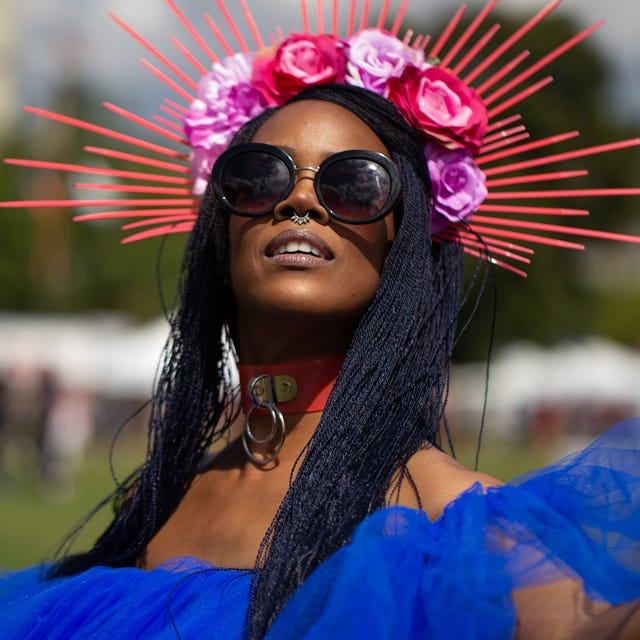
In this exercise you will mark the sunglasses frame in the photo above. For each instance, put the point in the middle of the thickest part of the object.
(386, 163)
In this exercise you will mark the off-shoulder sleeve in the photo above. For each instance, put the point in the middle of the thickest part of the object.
(554, 551)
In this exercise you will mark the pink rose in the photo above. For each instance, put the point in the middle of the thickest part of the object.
(438, 103)
(302, 60)
(225, 102)
(458, 185)
(374, 56)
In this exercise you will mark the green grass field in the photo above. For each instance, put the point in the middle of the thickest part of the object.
(35, 517)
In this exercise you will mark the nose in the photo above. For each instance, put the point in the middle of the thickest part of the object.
(302, 200)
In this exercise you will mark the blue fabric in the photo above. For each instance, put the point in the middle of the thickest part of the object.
(402, 576)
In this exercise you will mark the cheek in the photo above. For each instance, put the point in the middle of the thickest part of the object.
(242, 242)
(370, 244)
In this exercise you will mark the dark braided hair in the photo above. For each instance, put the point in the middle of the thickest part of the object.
(387, 403)
(388, 398)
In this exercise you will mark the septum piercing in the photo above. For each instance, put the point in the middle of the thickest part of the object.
(295, 218)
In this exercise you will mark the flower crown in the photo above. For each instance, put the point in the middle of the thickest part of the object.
(450, 115)
(453, 90)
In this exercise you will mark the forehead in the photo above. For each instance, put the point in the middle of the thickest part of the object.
(318, 128)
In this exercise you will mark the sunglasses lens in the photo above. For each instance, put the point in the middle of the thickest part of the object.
(355, 189)
(253, 182)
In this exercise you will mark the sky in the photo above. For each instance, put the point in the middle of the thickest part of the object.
(54, 39)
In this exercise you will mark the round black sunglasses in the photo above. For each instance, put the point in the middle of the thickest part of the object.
(357, 187)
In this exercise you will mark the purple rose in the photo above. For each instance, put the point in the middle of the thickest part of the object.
(374, 56)
(457, 182)
(226, 100)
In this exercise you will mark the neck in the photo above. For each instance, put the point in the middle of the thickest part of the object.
(302, 386)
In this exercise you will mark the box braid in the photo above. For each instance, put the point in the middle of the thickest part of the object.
(195, 400)
(389, 396)
(387, 402)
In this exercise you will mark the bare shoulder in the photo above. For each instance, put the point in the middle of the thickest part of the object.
(438, 479)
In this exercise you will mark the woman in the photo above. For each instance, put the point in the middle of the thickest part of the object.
(312, 258)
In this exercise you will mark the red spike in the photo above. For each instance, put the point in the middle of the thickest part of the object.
(81, 124)
(306, 28)
(279, 34)
(188, 55)
(334, 18)
(519, 97)
(505, 133)
(499, 243)
(319, 16)
(508, 68)
(364, 18)
(418, 41)
(145, 43)
(144, 123)
(472, 241)
(129, 213)
(161, 220)
(192, 30)
(384, 11)
(407, 37)
(527, 237)
(426, 39)
(488, 258)
(173, 114)
(510, 41)
(35, 204)
(232, 25)
(448, 30)
(174, 105)
(252, 24)
(540, 177)
(352, 18)
(475, 50)
(564, 193)
(536, 144)
(505, 142)
(168, 81)
(77, 168)
(492, 126)
(575, 231)
(399, 17)
(469, 32)
(224, 43)
(130, 157)
(168, 123)
(184, 227)
(543, 62)
(134, 188)
(543, 211)
(560, 157)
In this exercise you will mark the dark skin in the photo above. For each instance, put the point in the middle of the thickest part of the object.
(298, 308)
(288, 310)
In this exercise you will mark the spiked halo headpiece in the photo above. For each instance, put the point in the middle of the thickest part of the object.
(458, 92)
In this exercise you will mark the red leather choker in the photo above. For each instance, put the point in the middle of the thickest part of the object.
(296, 387)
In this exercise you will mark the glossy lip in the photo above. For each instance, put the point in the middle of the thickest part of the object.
(294, 235)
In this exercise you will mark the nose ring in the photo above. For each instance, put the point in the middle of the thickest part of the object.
(297, 219)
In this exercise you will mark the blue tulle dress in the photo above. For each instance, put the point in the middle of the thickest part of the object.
(556, 546)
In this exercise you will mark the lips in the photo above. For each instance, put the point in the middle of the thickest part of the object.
(299, 246)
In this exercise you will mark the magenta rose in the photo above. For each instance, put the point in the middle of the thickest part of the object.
(225, 102)
(441, 105)
(374, 56)
(302, 60)
(458, 185)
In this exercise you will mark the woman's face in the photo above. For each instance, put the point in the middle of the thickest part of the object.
(338, 284)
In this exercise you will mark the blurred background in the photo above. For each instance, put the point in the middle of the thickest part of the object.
(82, 319)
